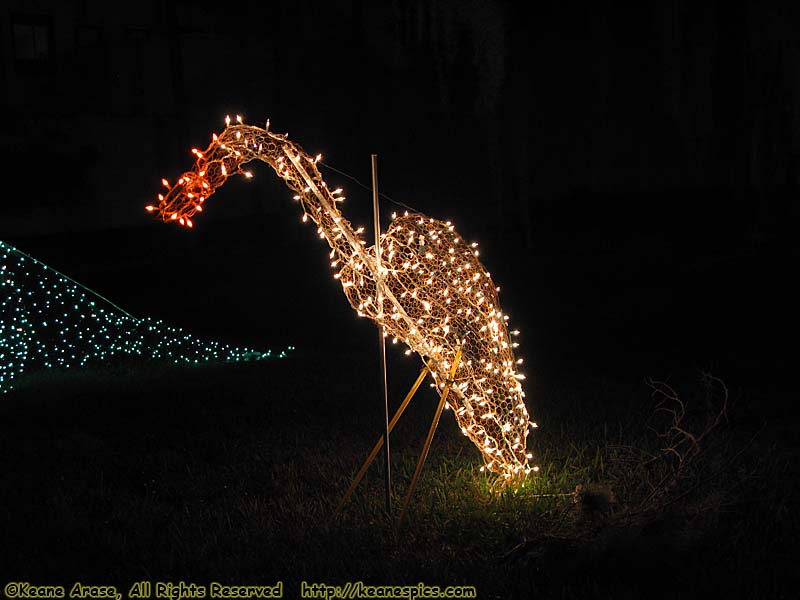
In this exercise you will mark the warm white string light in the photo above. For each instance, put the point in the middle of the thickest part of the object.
(438, 297)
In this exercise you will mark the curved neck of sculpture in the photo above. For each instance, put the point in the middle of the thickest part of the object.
(239, 144)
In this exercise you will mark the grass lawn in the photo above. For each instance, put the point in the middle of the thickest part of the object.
(232, 474)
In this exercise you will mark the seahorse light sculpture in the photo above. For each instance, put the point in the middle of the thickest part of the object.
(437, 296)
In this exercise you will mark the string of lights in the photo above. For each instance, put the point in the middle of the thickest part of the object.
(50, 321)
(438, 298)
(366, 187)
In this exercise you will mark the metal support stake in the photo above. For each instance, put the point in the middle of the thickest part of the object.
(382, 341)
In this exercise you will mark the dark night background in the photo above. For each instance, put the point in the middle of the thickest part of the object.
(630, 174)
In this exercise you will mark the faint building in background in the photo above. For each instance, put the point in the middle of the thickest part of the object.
(540, 119)
(86, 91)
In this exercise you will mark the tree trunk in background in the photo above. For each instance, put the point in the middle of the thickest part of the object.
(500, 205)
(518, 104)
(177, 126)
(523, 201)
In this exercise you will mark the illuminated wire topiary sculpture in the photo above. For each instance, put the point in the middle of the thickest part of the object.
(437, 296)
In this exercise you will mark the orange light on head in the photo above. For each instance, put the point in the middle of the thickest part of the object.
(185, 198)
(223, 157)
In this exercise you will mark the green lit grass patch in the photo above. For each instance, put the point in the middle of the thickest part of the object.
(232, 473)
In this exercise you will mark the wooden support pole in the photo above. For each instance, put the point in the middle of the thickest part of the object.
(429, 439)
(379, 444)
